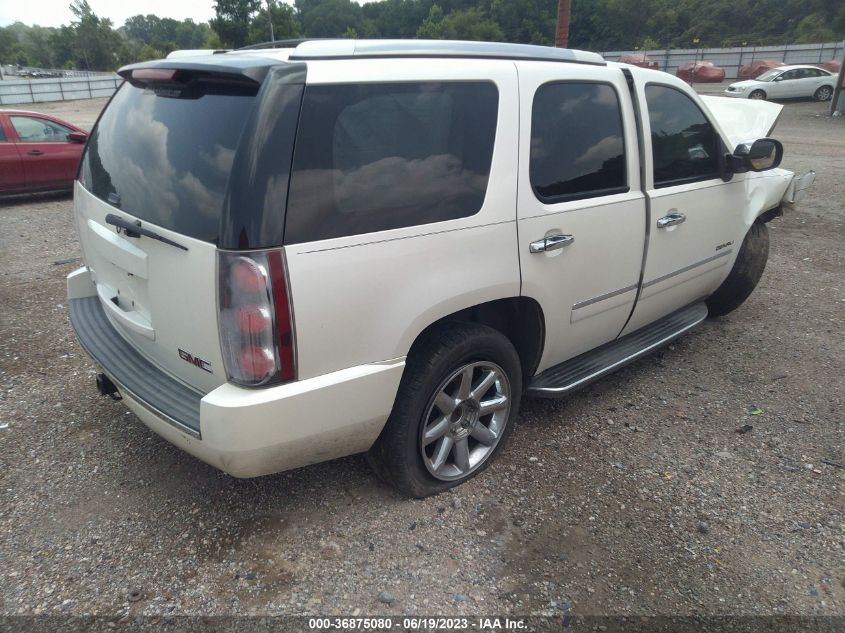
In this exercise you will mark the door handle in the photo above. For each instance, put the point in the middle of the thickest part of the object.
(35, 152)
(671, 219)
(551, 243)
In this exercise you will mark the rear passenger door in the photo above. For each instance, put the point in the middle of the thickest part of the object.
(814, 78)
(580, 207)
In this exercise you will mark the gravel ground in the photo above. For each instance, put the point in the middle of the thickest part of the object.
(637, 496)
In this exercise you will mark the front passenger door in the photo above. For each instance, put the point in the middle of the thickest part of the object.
(49, 158)
(696, 220)
(788, 85)
(11, 168)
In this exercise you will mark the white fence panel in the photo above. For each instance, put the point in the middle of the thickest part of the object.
(732, 59)
(13, 92)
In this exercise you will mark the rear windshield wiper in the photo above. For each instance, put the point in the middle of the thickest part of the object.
(132, 229)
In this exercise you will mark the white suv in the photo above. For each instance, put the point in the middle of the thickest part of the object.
(294, 255)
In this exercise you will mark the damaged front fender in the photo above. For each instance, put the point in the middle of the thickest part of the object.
(741, 121)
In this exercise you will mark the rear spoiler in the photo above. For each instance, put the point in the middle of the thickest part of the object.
(249, 70)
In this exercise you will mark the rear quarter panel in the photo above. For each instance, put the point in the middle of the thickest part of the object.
(365, 298)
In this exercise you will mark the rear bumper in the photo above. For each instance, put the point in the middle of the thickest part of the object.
(246, 432)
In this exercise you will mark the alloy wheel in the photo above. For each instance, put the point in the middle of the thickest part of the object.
(465, 420)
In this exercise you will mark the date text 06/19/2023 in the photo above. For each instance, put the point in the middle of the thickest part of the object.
(418, 623)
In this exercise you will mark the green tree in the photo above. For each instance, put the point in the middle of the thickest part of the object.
(9, 46)
(285, 24)
(329, 18)
(33, 45)
(89, 42)
(649, 44)
(232, 20)
(814, 28)
(463, 24)
(213, 41)
(395, 18)
(432, 28)
(527, 21)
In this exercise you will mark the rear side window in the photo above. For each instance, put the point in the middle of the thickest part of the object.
(166, 160)
(577, 146)
(684, 145)
(375, 157)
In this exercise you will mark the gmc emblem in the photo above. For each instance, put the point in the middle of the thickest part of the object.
(196, 361)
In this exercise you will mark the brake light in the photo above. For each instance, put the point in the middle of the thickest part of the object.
(256, 323)
(154, 74)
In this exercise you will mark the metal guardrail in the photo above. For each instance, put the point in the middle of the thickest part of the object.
(732, 59)
(18, 91)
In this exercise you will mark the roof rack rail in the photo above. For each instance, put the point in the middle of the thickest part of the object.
(292, 43)
(357, 49)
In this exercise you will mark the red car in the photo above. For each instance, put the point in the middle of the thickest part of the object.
(757, 68)
(38, 152)
(640, 59)
(833, 65)
(702, 72)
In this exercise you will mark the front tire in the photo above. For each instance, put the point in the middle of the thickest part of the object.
(757, 94)
(453, 412)
(745, 274)
(824, 93)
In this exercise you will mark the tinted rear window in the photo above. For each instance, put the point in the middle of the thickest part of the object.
(577, 143)
(375, 157)
(166, 160)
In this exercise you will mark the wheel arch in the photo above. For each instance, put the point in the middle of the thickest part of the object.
(829, 86)
(519, 319)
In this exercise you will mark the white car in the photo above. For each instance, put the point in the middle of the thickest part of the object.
(380, 246)
(786, 82)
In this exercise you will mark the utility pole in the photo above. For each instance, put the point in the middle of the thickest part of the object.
(270, 17)
(837, 101)
(564, 13)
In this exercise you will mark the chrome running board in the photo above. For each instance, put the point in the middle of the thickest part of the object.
(577, 372)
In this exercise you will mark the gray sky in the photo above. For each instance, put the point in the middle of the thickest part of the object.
(56, 12)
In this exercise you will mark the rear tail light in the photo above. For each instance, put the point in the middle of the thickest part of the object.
(256, 323)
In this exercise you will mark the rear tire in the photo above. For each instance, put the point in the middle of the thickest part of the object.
(745, 274)
(757, 94)
(824, 93)
(453, 412)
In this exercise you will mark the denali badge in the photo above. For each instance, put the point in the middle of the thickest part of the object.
(195, 360)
